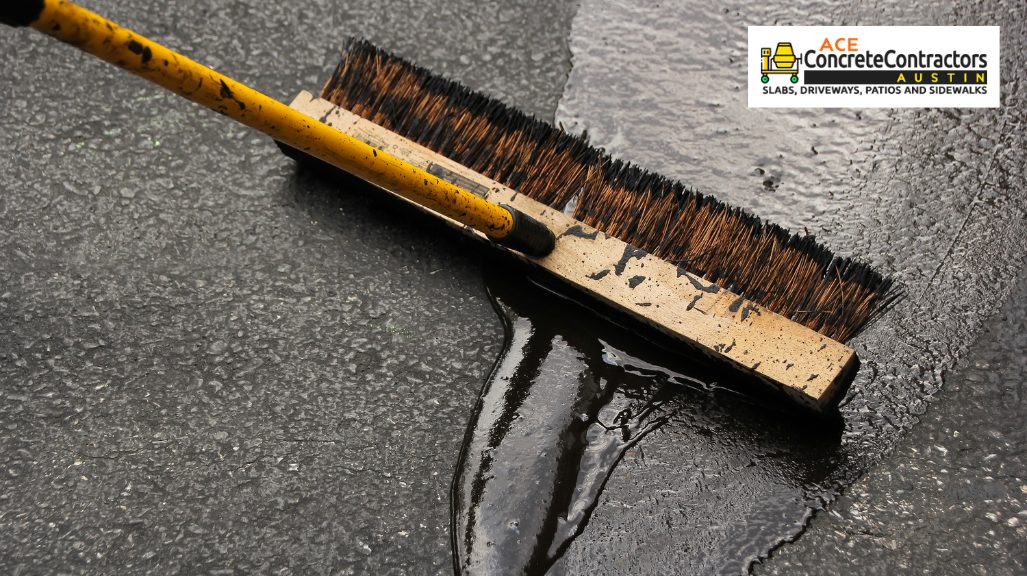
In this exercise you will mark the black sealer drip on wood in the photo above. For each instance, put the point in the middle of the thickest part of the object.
(578, 231)
(712, 288)
(629, 253)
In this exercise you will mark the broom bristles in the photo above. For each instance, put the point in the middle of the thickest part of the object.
(790, 274)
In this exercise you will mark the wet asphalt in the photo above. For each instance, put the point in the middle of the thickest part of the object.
(934, 197)
(214, 363)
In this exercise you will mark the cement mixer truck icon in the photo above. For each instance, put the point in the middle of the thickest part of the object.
(783, 62)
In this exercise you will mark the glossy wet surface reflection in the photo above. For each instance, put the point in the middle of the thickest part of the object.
(931, 196)
(572, 397)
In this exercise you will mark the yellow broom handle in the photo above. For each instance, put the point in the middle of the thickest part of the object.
(95, 34)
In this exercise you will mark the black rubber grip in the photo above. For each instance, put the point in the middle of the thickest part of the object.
(20, 12)
(528, 235)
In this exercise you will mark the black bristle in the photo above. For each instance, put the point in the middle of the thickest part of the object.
(788, 273)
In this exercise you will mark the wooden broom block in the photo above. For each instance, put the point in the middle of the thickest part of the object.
(804, 364)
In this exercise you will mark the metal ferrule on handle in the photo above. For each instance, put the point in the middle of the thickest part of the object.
(95, 34)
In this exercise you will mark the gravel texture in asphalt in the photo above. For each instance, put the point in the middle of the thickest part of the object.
(952, 497)
(935, 197)
(211, 361)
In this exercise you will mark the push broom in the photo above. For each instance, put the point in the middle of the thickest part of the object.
(773, 305)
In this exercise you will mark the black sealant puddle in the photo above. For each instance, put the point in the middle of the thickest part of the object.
(572, 396)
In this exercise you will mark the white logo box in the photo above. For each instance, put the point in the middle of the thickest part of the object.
(873, 66)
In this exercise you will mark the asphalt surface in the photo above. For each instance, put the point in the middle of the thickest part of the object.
(950, 498)
(934, 197)
(213, 362)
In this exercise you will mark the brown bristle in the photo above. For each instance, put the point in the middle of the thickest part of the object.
(790, 274)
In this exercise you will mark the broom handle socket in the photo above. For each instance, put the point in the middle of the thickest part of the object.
(528, 235)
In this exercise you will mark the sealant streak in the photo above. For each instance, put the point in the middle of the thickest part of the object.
(578, 231)
(558, 413)
(571, 398)
(629, 253)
